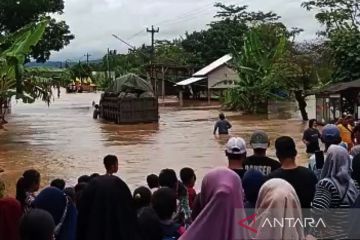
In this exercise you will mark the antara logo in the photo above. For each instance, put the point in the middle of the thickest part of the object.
(282, 222)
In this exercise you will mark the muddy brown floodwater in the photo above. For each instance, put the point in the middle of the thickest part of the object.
(63, 141)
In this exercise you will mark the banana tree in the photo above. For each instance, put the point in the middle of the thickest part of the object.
(14, 49)
(258, 65)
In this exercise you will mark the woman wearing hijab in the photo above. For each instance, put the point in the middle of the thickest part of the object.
(335, 190)
(221, 196)
(61, 209)
(10, 214)
(106, 211)
(252, 182)
(277, 200)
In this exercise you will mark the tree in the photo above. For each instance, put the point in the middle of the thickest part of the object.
(226, 32)
(13, 52)
(259, 65)
(335, 13)
(16, 14)
(342, 21)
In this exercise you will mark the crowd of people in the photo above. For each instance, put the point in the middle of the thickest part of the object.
(102, 207)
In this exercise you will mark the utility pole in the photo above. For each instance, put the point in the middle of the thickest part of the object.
(153, 31)
(108, 63)
(87, 55)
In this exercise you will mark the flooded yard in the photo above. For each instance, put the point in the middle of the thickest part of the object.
(63, 141)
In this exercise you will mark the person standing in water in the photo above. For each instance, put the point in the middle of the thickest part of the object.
(222, 125)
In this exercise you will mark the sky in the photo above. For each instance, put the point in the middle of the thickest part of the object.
(94, 21)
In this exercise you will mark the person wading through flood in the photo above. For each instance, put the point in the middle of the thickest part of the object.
(222, 125)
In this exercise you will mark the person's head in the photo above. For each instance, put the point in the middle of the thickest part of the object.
(252, 182)
(312, 123)
(337, 166)
(330, 135)
(111, 164)
(221, 116)
(164, 203)
(58, 183)
(259, 142)
(84, 179)
(96, 106)
(356, 135)
(285, 149)
(106, 208)
(28, 182)
(94, 175)
(152, 181)
(188, 177)
(278, 199)
(10, 214)
(37, 224)
(236, 149)
(60, 207)
(167, 178)
(70, 192)
(79, 188)
(2, 189)
(142, 197)
(349, 120)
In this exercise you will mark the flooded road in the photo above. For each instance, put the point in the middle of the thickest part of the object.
(63, 141)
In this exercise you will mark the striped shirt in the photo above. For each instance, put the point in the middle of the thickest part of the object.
(333, 208)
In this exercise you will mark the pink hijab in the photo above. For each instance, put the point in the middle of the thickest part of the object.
(221, 196)
(277, 199)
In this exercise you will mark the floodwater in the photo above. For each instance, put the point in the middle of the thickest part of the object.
(63, 141)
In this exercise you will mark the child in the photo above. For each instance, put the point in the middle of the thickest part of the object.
(142, 198)
(153, 182)
(164, 204)
(111, 164)
(188, 178)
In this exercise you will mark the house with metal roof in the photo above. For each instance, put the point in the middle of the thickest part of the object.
(336, 100)
(215, 77)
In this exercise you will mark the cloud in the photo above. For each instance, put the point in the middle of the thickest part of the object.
(94, 21)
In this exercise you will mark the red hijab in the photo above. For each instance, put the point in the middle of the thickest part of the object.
(10, 214)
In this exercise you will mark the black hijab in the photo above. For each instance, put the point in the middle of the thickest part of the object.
(106, 211)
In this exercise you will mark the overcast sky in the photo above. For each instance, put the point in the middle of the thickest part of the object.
(93, 21)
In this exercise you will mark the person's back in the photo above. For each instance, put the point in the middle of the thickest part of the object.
(222, 125)
(336, 191)
(164, 204)
(302, 179)
(263, 164)
(188, 178)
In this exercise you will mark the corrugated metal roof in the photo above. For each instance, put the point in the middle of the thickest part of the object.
(212, 66)
(189, 81)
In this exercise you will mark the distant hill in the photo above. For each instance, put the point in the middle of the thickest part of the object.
(56, 64)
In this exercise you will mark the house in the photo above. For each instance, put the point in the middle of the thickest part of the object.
(213, 78)
(336, 100)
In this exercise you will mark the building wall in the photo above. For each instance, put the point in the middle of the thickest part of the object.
(221, 74)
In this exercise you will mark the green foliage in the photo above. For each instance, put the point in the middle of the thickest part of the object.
(342, 21)
(345, 46)
(259, 65)
(17, 14)
(13, 51)
(335, 13)
(228, 31)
